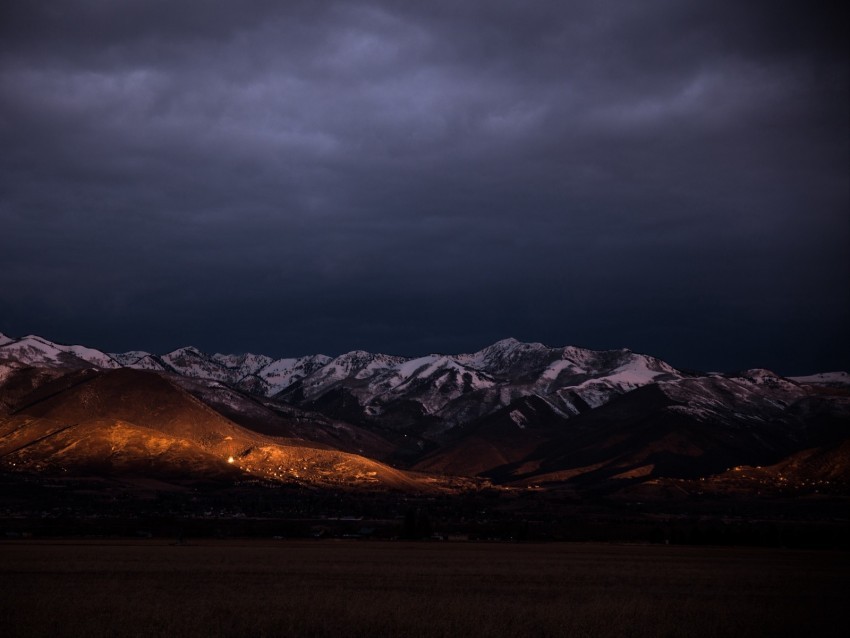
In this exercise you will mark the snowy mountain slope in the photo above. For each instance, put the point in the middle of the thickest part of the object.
(191, 362)
(392, 391)
(571, 379)
(430, 381)
(454, 389)
(754, 396)
(509, 358)
(255, 373)
(512, 412)
(539, 364)
(354, 366)
(684, 428)
(4, 339)
(34, 350)
(279, 374)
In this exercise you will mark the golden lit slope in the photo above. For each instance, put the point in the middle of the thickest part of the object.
(145, 399)
(103, 446)
(136, 421)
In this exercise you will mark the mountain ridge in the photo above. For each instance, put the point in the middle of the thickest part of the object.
(512, 413)
(433, 381)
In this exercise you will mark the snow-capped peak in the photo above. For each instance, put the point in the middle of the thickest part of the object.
(506, 356)
(511, 345)
(4, 339)
(185, 350)
(504, 344)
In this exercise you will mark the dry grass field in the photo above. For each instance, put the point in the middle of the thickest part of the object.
(416, 590)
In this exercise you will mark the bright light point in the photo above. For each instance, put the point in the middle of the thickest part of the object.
(230, 459)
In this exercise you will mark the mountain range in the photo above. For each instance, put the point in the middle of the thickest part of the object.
(512, 414)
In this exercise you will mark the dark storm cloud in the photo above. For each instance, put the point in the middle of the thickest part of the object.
(298, 177)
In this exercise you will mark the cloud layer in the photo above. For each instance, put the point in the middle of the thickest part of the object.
(315, 176)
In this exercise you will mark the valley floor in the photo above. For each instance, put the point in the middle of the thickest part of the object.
(370, 588)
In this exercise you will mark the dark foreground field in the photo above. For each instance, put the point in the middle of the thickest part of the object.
(350, 588)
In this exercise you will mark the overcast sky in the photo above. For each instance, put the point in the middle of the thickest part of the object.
(669, 176)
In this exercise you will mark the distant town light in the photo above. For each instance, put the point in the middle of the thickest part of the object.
(230, 459)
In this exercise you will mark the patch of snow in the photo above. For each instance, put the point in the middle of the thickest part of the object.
(594, 392)
(92, 356)
(581, 357)
(564, 409)
(634, 374)
(278, 368)
(518, 418)
(281, 373)
(556, 368)
(413, 367)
